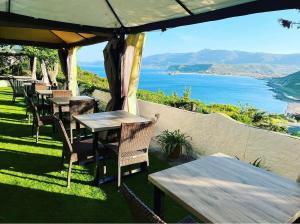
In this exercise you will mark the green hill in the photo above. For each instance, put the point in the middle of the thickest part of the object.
(253, 70)
(287, 88)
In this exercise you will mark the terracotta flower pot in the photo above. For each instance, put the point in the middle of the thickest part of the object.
(176, 152)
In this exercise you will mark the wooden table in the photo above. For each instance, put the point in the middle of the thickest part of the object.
(43, 94)
(222, 189)
(65, 101)
(105, 121)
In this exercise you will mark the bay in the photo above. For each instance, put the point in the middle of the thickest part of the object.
(236, 90)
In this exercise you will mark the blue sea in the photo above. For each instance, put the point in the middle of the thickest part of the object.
(236, 90)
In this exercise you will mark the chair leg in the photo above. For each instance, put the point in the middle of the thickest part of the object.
(32, 129)
(119, 175)
(69, 174)
(71, 135)
(62, 159)
(37, 134)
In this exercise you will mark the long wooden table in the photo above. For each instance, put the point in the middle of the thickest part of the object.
(44, 93)
(222, 189)
(105, 121)
(65, 101)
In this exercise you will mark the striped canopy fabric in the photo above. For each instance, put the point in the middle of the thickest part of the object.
(58, 23)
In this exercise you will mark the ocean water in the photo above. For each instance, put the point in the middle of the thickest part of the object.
(236, 90)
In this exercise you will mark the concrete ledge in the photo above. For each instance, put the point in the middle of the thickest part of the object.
(4, 83)
(212, 133)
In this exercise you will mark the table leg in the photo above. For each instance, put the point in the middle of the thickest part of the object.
(38, 99)
(96, 154)
(43, 104)
(77, 131)
(159, 202)
(60, 114)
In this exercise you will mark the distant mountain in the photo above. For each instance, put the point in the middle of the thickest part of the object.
(223, 62)
(207, 56)
(253, 70)
(287, 88)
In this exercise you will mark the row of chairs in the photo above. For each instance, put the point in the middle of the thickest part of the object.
(129, 146)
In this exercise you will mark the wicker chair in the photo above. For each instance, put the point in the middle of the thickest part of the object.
(142, 213)
(78, 152)
(133, 144)
(60, 93)
(38, 121)
(17, 91)
(40, 86)
(78, 107)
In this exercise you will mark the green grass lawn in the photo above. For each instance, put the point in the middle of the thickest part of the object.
(33, 187)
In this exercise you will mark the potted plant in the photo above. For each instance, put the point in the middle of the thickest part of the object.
(174, 142)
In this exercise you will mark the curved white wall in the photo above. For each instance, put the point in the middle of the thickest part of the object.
(212, 133)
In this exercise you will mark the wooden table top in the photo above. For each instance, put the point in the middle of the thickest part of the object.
(21, 77)
(222, 189)
(44, 92)
(63, 101)
(108, 120)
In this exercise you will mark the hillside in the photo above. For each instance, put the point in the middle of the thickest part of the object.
(253, 70)
(287, 88)
(207, 56)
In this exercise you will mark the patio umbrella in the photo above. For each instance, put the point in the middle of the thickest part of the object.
(130, 70)
(72, 70)
(33, 67)
(68, 61)
(112, 55)
(45, 78)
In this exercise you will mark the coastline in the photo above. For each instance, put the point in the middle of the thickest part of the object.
(257, 76)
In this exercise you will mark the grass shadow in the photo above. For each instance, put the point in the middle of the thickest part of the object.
(41, 206)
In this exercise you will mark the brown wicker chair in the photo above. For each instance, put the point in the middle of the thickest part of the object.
(78, 107)
(133, 144)
(78, 152)
(40, 86)
(38, 121)
(60, 93)
(142, 213)
(17, 91)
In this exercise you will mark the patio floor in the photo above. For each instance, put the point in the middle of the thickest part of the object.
(32, 186)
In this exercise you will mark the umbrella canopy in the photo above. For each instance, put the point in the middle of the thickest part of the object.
(61, 23)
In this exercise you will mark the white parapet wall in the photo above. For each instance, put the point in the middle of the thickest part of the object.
(212, 133)
(4, 83)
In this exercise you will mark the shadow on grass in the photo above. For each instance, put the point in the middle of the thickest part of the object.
(19, 204)
(28, 162)
(28, 143)
(9, 102)
(12, 116)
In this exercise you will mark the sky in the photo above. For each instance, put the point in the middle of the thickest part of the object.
(254, 33)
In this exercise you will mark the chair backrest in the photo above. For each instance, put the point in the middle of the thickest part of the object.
(40, 86)
(14, 87)
(78, 107)
(61, 93)
(135, 137)
(63, 134)
(34, 109)
(26, 96)
(140, 212)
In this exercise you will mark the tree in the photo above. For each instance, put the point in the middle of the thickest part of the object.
(10, 61)
(289, 24)
(48, 58)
